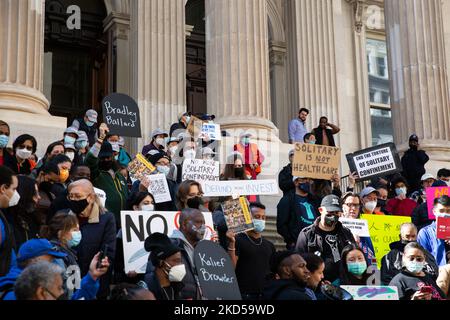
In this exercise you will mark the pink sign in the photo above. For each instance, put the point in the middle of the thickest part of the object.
(433, 193)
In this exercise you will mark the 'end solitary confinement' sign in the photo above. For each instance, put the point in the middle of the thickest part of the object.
(315, 161)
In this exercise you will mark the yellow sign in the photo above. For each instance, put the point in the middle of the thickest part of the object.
(247, 215)
(383, 231)
(315, 161)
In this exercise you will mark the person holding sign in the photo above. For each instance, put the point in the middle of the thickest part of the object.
(427, 236)
(181, 125)
(105, 174)
(400, 205)
(192, 230)
(250, 249)
(166, 281)
(327, 236)
(413, 283)
(296, 211)
(391, 263)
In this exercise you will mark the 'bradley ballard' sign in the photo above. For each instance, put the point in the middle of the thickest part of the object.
(121, 114)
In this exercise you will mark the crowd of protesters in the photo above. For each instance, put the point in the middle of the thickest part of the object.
(59, 240)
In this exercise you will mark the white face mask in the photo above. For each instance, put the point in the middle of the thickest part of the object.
(189, 154)
(173, 150)
(23, 153)
(370, 206)
(14, 199)
(177, 273)
(148, 207)
(161, 141)
(70, 155)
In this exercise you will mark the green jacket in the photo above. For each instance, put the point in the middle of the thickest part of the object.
(116, 188)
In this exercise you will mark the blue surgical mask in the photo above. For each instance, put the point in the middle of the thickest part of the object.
(312, 142)
(89, 123)
(414, 267)
(163, 169)
(69, 140)
(81, 144)
(76, 239)
(4, 139)
(305, 187)
(259, 225)
(246, 141)
(400, 191)
(357, 268)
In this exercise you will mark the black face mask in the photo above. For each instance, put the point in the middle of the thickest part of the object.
(405, 242)
(78, 206)
(238, 172)
(413, 147)
(330, 221)
(105, 165)
(381, 203)
(45, 186)
(194, 203)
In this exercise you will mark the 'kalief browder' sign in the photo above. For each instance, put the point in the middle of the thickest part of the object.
(121, 114)
(374, 162)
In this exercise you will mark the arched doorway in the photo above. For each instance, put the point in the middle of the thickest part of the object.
(75, 61)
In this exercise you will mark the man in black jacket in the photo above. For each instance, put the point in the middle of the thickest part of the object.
(285, 176)
(391, 264)
(327, 237)
(296, 210)
(292, 278)
(413, 163)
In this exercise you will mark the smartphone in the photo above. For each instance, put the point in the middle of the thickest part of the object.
(426, 289)
(102, 256)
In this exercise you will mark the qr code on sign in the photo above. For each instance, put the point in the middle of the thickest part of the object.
(157, 187)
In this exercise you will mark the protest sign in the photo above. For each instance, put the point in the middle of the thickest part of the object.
(211, 131)
(138, 225)
(121, 115)
(372, 292)
(194, 127)
(200, 170)
(434, 193)
(315, 161)
(443, 227)
(101, 195)
(159, 188)
(215, 272)
(383, 231)
(237, 215)
(375, 162)
(239, 187)
(358, 227)
(140, 167)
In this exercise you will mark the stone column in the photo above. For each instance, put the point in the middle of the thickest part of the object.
(22, 103)
(237, 58)
(312, 75)
(158, 62)
(419, 84)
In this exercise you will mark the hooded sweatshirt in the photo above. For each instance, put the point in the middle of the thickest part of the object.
(287, 289)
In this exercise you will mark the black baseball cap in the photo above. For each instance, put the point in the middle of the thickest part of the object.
(332, 203)
(414, 137)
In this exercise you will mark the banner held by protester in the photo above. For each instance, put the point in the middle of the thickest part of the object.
(383, 231)
(375, 162)
(138, 225)
(315, 161)
(215, 272)
(432, 194)
(159, 188)
(239, 187)
(121, 115)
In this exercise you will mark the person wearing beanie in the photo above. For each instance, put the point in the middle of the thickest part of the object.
(165, 281)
